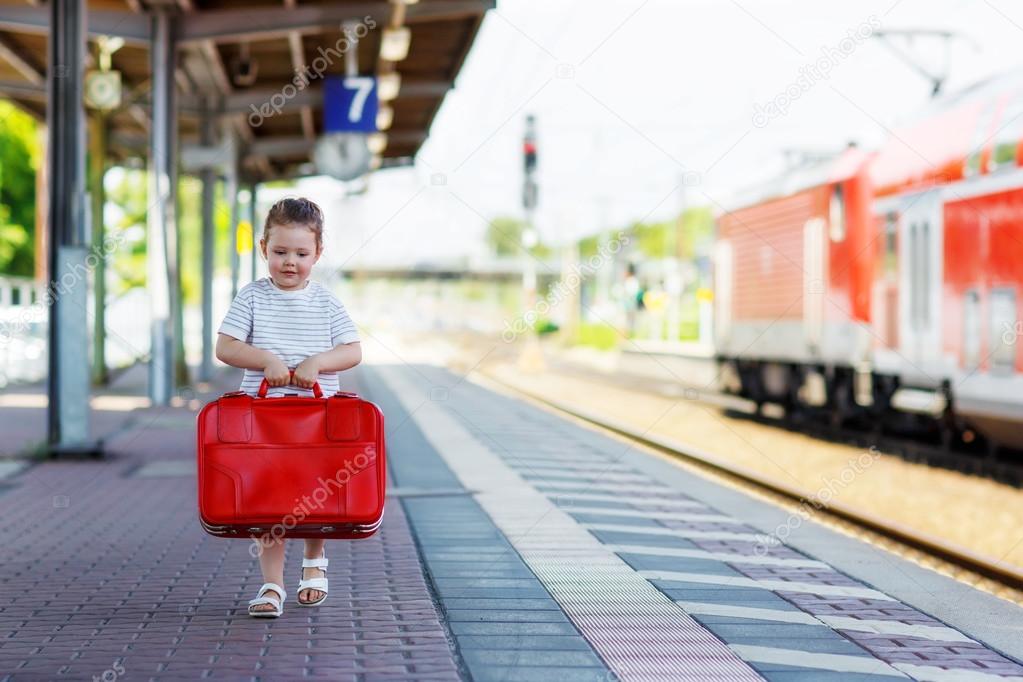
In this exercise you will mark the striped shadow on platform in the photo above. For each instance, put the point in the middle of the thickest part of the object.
(682, 533)
(725, 557)
(937, 633)
(597, 497)
(654, 515)
(842, 663)
(606, 486)
(772, 585)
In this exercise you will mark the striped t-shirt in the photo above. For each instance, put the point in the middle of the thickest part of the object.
(292, 325)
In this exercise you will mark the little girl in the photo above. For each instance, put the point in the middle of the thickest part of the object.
(279, 324)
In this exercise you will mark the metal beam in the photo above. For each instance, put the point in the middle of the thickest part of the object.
(251, 23)
(134, 28)
(298, 146)
(266, 100)
(253, 191)
(297, 49)
(308, 125)
(242, 102)
(98, 128)
(23, 91)
(23, 64)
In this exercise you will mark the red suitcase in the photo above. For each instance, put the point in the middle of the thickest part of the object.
(290, 466)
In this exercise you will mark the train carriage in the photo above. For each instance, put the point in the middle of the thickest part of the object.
(793, 275)
(949, 197)
(888, 285)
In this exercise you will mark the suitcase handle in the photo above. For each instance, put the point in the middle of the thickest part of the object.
(264, 387)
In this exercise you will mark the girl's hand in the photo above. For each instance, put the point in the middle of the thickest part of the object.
(307, 373)
(276, 373)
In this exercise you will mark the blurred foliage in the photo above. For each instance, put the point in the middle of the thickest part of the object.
(654, 240)
(589, 246)
(126, 188)
(19, 159)
(544, 326)
(504, 237)
(599, 335)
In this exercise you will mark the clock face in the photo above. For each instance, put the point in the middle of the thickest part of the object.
(103, 89)
(344, 156)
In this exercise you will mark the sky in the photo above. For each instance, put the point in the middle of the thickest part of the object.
(646, 106)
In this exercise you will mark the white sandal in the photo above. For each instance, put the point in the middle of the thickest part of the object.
(278, 603)
(313, 583)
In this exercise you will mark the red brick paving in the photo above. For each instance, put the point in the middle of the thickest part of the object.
(105, 575)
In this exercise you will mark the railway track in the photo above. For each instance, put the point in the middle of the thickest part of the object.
(971, 461)
(997, 577)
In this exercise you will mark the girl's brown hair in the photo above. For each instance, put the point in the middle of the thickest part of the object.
(295, 211)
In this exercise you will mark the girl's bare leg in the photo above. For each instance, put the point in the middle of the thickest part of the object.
(271, 561)
(313, 550)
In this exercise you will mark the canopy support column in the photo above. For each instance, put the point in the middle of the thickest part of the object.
(69, 257)
(160, 247)
(209, 181)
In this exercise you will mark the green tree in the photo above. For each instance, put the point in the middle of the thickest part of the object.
(18, 162)
(504, 237)
(126, 189)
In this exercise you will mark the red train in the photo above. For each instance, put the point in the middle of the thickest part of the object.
(885, 287)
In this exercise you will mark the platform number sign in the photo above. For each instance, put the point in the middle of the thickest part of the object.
(350, 104)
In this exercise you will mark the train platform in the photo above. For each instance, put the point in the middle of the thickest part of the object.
(516, 545)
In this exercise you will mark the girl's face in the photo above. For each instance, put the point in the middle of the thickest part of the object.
(290, 255)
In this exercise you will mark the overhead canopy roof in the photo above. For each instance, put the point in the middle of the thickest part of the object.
(281, 37)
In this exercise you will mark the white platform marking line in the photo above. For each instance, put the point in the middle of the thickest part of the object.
(718, 556)
(584, 476)
(773, 585)
(548, 465)
(881, 627)
(653, 488)
(682, 533)
(930, 673)
(10, 468)
(777, 615)
(597, 497)
(651, 514)
(841, 663)
(938, 633)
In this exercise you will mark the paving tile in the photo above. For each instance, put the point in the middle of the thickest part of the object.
(504, 616)
(462, 628)
(489, 673)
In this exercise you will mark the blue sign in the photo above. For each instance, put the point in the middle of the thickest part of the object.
(350, 104)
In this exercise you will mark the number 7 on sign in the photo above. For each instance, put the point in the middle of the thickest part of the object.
(362, 85)
(350, 104)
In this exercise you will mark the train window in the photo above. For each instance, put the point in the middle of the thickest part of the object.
(919, 274)
(925, 274)
(836, 214)
(1008, 136)
(1005, 328)
(971, 330)
(891, 256)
